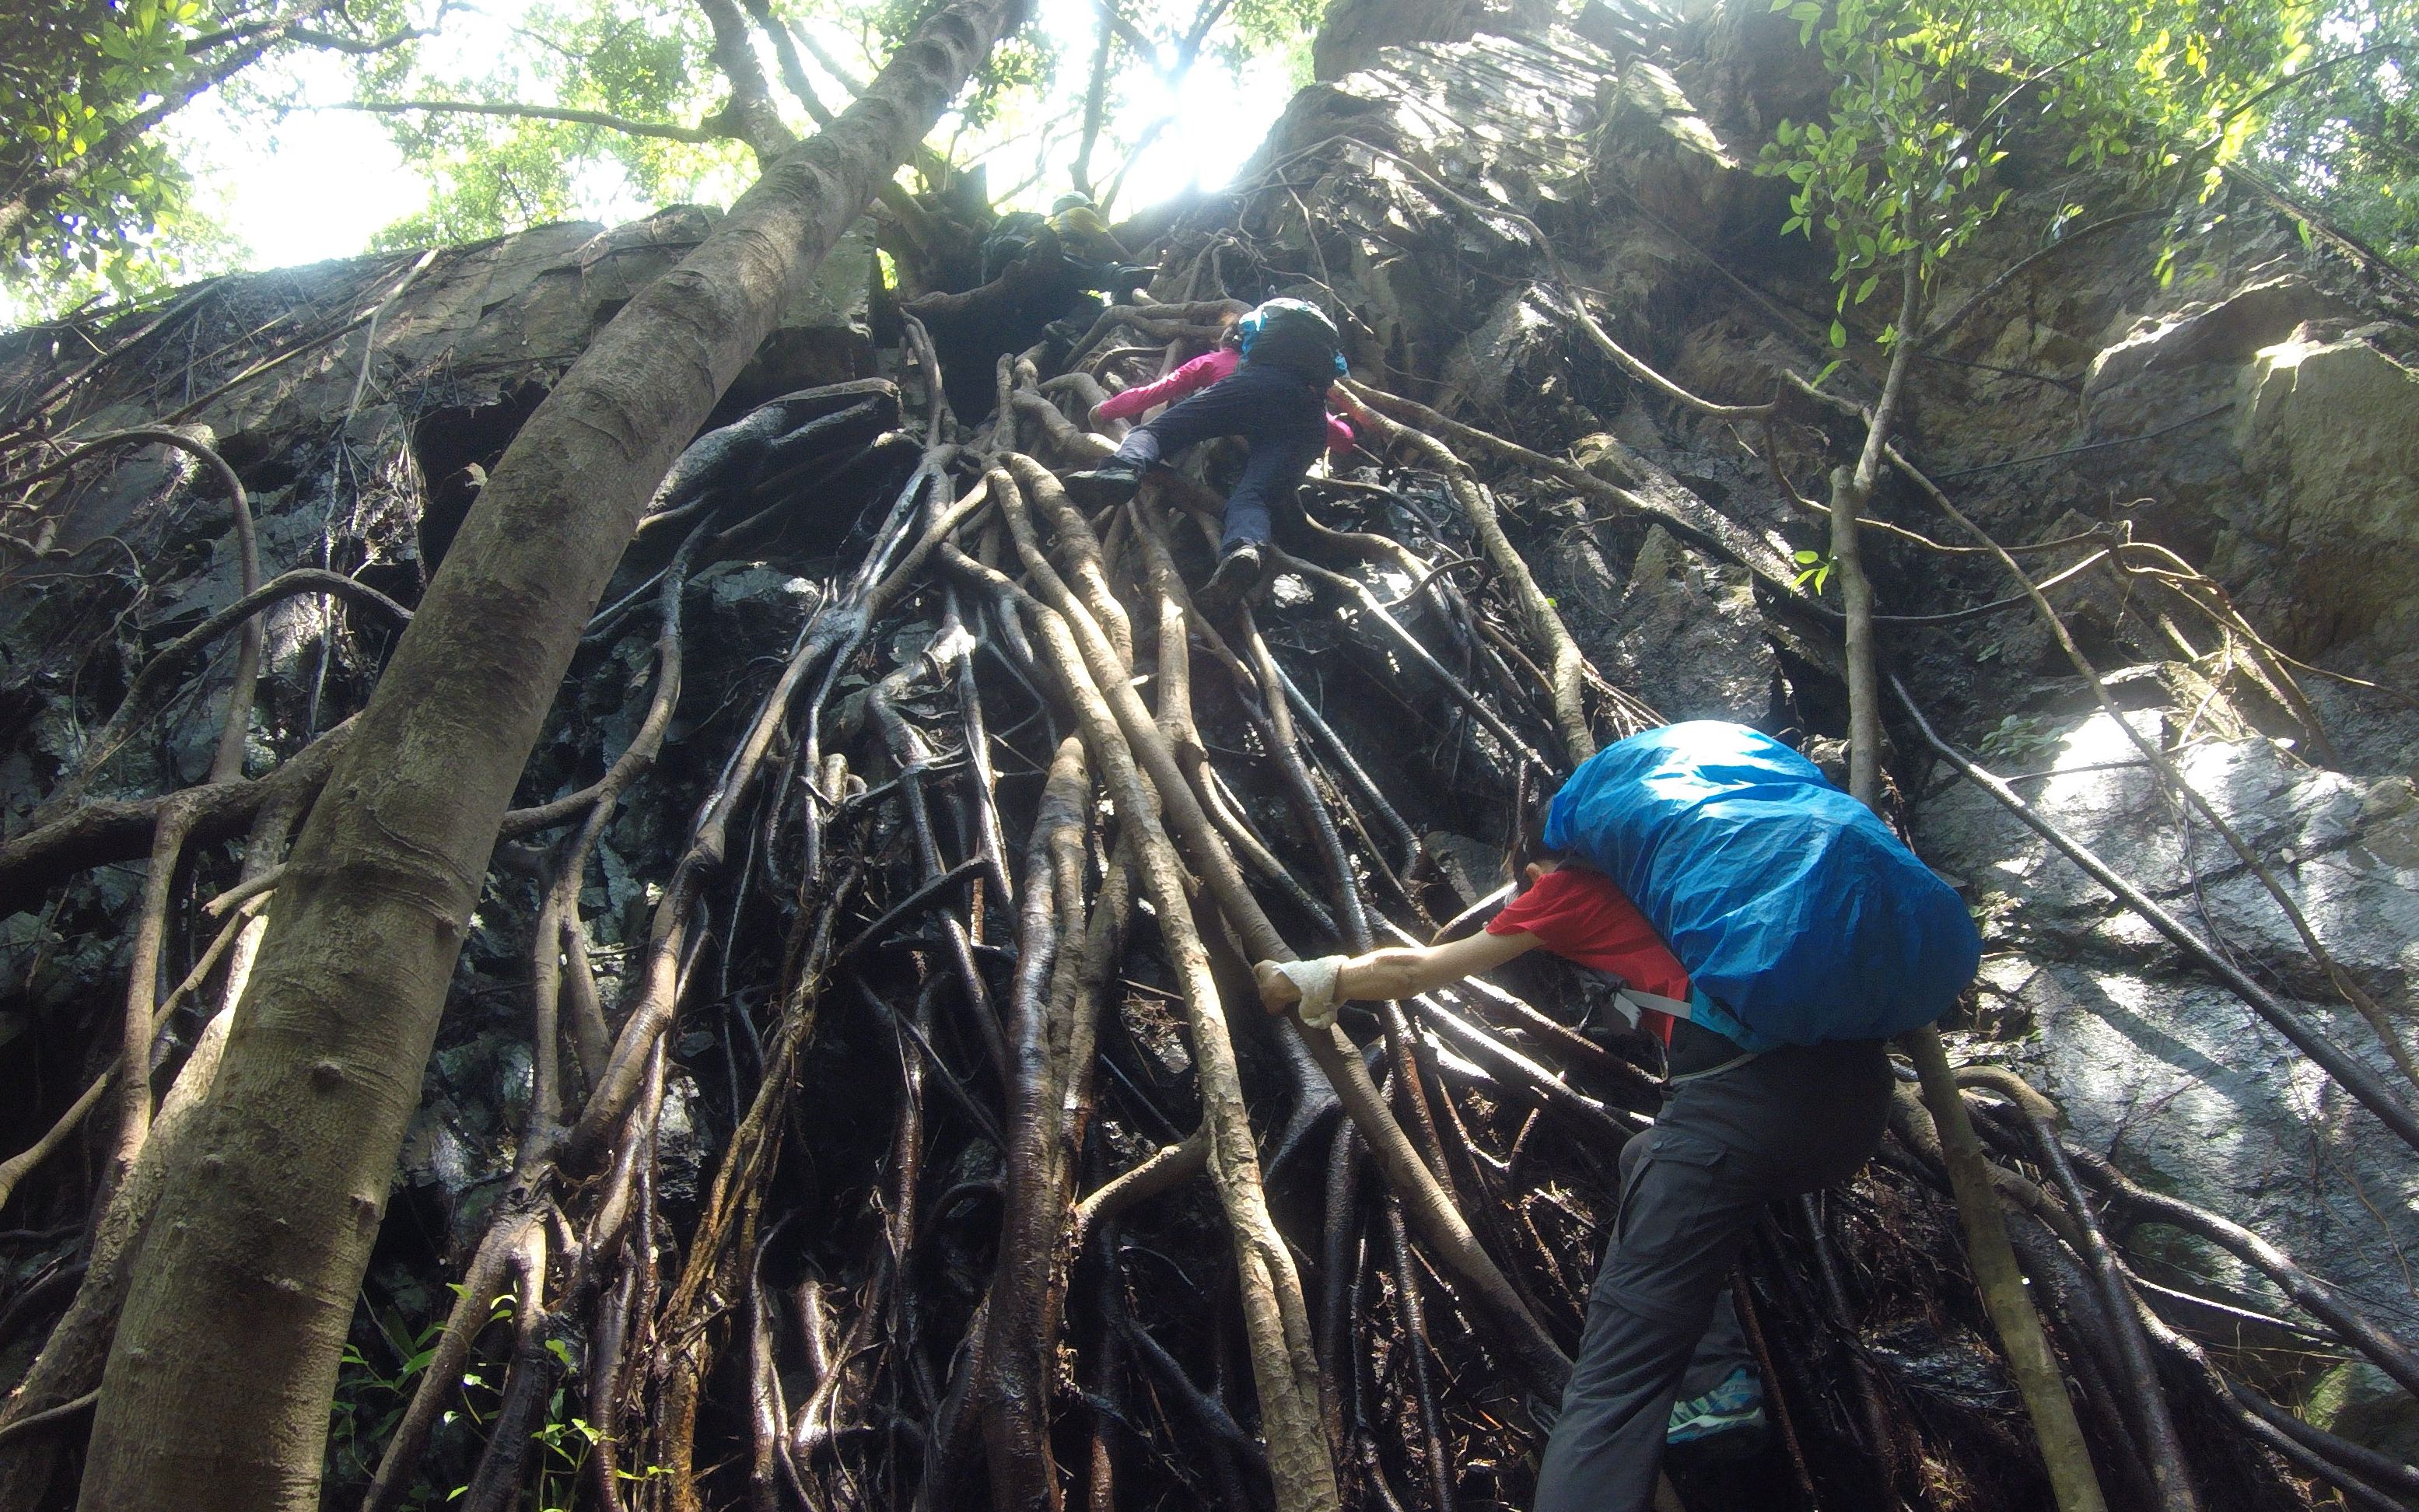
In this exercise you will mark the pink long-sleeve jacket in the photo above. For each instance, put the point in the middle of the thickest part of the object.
(1199, 373)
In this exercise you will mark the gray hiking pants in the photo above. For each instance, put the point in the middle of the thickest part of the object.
(1789, 1122)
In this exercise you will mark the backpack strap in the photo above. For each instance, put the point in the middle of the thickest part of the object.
(1632, 1001)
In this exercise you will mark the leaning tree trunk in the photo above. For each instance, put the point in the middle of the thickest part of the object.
(217, 1389)
(2074, 1483)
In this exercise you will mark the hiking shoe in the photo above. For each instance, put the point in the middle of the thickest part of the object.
(1731, 1412)
(1238, 574)
(1111, 483)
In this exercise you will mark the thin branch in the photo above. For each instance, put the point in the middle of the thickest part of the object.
(1095, 98)
(785, 52)
(1989, 1251)
(539, 113)
(368, 46)
(751, 110)
(15, 1167)
(824, 60)
(52, 1415)
(1113, 22)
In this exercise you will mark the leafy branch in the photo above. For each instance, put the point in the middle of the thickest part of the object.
(1892, 174)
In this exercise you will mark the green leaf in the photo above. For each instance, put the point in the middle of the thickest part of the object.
(1839, 334)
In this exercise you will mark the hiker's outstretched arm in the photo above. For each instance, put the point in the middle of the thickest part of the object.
(1404, 971)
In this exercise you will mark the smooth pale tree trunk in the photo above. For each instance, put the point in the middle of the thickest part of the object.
(217, 1389)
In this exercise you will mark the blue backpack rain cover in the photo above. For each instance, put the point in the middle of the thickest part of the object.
(1791, 905)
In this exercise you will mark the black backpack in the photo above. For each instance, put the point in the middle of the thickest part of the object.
(1296, 338)
(1011, 235)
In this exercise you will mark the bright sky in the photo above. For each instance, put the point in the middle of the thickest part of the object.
(320, 184)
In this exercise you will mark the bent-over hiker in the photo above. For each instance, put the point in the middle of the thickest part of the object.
(1273, 395)
(1809, 935)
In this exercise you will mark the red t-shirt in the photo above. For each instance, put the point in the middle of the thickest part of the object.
(1580, 915)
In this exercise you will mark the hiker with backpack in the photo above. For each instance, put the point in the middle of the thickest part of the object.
(1772, 932)
(1269, 388)
(1043, 279)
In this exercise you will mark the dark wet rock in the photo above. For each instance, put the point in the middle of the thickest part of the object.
(1514, 361)
(2358, 1402)
(460, 1143)
(1953, 1367)
(1692, 642)
(2179, 1085)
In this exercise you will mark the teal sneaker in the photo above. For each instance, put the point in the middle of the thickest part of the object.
(1736, 1406)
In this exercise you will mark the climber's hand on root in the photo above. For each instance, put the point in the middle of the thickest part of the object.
(1307, 987)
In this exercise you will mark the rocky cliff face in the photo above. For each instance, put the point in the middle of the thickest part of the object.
(2258, 416)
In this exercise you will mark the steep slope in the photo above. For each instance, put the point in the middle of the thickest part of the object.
(742, 1083)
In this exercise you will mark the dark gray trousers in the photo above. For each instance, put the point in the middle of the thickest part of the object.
(1281, 417)
(1789, 1122)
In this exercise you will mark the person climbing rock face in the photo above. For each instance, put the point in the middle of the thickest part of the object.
(1084, 232)
(1771, 932)
(1043, 279)
(1266, 383)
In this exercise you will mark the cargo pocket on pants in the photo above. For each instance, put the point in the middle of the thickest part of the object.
(1673, 1221)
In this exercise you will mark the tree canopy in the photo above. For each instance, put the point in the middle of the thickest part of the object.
(92, 193)
(518, 114)
(2174, 93)
(521, 114)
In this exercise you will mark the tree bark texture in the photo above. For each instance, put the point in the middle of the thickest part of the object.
(1016, 1416)
(217, 1389)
